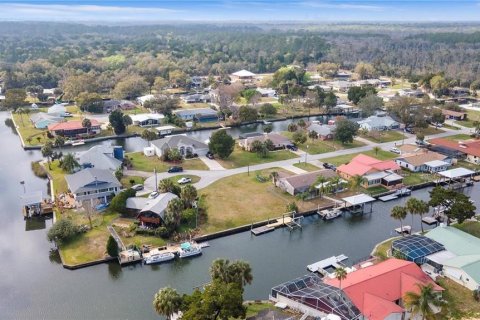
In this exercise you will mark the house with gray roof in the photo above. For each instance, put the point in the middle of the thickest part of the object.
(300, 183)
(200, 114)
(324, 131)
(99, 157)
(186, 145)
(42, 120)
(379, 123)
(92, 184)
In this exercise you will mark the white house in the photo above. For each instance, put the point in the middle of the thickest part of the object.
(267, 92)
(379, 123)
(147, 119)
(186, 145)
(424, 161)
(57, 110)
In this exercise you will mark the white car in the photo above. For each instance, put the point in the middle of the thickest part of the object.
(395, 150)
(184, 180)
(137, 187)
(153, 195)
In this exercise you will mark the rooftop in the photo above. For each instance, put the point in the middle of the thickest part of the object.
(457, 173)
(416, 247)
(455, 240)
(471, 147)
(420, 158)
(307, 179)
(243, 73)
(71, 125)
(358, 199)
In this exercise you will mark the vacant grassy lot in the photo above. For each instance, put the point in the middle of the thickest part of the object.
(381, 155)
(240, 158)
(316, 146)
(88, 246)
(306, 166)
(242, 199)
(142, 163)
(385, 136)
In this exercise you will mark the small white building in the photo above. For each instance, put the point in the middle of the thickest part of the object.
(147, 119)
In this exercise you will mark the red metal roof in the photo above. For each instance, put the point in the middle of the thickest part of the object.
(363, 164)
(469, 147)
(71, 125)
(375, 289)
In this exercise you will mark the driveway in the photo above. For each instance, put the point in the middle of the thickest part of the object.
(211, 163)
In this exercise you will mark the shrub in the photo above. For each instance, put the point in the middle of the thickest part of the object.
(112, 247)
(119, 202)
(188, 216)
(62, 231)
(39, 170)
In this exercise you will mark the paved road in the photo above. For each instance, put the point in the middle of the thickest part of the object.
(209, 177)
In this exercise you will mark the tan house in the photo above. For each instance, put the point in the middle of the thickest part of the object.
(454, 115)
(302, 182)
(279, 141)
(424, 161)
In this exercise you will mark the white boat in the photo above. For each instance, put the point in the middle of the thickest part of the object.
(329, 214)
(189, 249)
(78, 142)
(159, 257)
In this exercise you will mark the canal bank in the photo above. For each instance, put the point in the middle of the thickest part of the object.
(37, 286)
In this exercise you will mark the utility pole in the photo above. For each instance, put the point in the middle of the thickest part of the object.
(156, 182)
(306, 153)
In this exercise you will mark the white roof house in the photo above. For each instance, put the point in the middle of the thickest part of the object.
(57, 109)
(242, 74)
(267, 92)
(99, 157)
(147, 119)
(378, 123)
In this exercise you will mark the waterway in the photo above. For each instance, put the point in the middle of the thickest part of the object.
(34, 285)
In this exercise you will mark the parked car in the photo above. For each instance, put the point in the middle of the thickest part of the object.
(437, 125)
(395, 150)
(209, 155)
(292, 147)
(137, 187)
(184, 180)
(329, 166)
(153, 195)
(409, 130)
(175, 169)
(67, 115)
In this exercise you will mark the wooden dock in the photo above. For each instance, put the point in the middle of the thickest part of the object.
(404, 229)
(388, 197)
(289, 222)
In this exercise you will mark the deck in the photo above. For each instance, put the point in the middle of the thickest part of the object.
(429, 220)
(404, 229)
(388, 197)
(289, 222)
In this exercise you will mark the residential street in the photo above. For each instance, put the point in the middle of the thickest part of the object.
(210, 176)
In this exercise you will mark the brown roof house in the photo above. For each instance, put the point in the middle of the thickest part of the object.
(424, 161)
(279, 141)
(454, 115)
(302, 182)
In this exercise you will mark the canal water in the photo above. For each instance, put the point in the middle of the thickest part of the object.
(33, 284)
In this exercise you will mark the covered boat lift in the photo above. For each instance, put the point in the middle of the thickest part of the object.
(457, 178)
(356, 204)
(33, 204)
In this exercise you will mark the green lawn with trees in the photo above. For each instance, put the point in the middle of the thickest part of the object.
(380, 155)
(241, 158)
(141, 162)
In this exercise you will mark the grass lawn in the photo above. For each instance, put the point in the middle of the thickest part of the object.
(199, 105)
(472, 116)
(31, 135)
(381, 155)
(446, 125)
(241, 199)
(459, 137)
(58, 176)
(413, 178)
(385, 136)
(88, 246)
(130, 238)
(376, 190)
(381, 251)
(429, 130)
(253, 308)
(240, 158)
(468, 165)
(142, 163)
(316, 146)
(470, 227)
(306, 166)
(460, 302)
(126, 181)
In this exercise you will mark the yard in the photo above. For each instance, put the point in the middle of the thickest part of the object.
(31, 135)
(241, 158)
(58, 176)
(141, 162)
(413, 178)
(429, 130)
(306, 166)
(316, 146)
(129, 181)
(88, 246)
(242, 199)
(472, 116)
(384, 136)
(381, 155)
(470, 227)
(373, 191)
(459, 301)
(382, 249)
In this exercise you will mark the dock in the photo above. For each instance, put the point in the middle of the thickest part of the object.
(404, 229)
(388, 197)
(289, 222)
(429, 220)
(321, 265)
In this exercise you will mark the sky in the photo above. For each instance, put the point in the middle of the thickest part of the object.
(238, 10)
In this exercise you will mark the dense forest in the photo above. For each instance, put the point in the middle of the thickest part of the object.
(48, 54)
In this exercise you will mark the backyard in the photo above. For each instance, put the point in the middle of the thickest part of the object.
(316, 146)
(248, 200)
(380, 155)
(241, 158)
(141, 162)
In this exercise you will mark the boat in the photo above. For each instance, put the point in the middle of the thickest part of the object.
(329, 214)
(78, 142)
(159, 257)
(189, 249)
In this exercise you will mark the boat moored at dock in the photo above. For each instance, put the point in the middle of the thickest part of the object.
(189, 249)
(159, 257)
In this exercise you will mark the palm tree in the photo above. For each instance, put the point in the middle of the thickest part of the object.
(417, 207)
(340, 274)
(167, 302)
(321, 183)
(173, 213)
(86, 123)
(21, 112)
(335, 182)
(274, 176)
(376, 149)
(399, 213)
(166, 185)
(356, 182)
(69, 163)
(148, 135)
(188, 194)
(47, 152)
(422, 209)
(422, 303)
(59, 142)
(237, 272)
